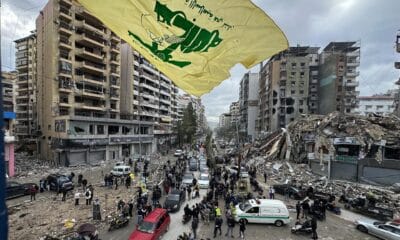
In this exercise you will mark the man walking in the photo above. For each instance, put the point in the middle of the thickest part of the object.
(298, 209)
(314, 228)
(195, 224)
(76, 197)
(242, 228)
(271, 193)
(231, 225)
(88, 194)
(217, 226)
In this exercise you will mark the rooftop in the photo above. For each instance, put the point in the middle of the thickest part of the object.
(341, 46)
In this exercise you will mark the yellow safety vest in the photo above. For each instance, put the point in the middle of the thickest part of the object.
(218, 212)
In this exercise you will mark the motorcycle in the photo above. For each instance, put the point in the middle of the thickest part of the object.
(333, 208)
(302, 227)
(186, 218)
(118, 221)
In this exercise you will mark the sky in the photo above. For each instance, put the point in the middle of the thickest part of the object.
(305, 22)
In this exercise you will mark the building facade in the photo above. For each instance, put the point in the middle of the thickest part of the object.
(377, 104)
(149, 94)
(26, 104)
(234, 111)
(397, 66)
(78, 87)
(248, 105)
(338, 72)
(287, 87)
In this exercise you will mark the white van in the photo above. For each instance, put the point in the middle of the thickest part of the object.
(121, 170)
(263, 211)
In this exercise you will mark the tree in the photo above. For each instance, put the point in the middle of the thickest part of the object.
(189, 124)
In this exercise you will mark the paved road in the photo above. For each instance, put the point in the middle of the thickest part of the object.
(176, 228)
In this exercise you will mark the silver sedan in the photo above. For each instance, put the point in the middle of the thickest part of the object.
(383, 230)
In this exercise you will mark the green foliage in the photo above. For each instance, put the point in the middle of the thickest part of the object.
(227, 132)
(186, 129)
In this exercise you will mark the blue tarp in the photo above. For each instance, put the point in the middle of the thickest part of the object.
(9, 115)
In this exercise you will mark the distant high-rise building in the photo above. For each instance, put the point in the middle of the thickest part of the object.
(397, 66)
(26, 104)
(234, 110)
(338, 77)
(248, 105)
(288, 87)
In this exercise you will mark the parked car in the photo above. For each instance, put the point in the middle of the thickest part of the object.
(59, 182)
(204, 180)
(187, 179)
(174, 200)
(382, 230)
(203, 168)
(243, 171)
(15, 189)
(294, 192)
(121, 170)
(193, 165)
(178, 152)
(153, 226)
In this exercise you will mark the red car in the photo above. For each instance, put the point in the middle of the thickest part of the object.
(153, 226)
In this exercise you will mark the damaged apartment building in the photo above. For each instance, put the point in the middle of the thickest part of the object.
(342, 146)
(78, 69)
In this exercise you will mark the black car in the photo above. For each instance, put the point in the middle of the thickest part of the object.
(59, 182)
(193, 165)
(174, 200)
(294, 192)
(15, 189)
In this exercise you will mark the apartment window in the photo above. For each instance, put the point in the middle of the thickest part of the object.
(113, 129)
(301, 74)
(300, 110)
(49, 127)
(293, 74)
(91, 129)
(301, 91)
(100, 129)
(378, 107)
(294, 65)
(301, 102)
(367, 107)
(392, 153)
(302, 64)
(293, 92)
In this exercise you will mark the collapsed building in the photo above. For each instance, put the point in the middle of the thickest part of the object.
(341, 146)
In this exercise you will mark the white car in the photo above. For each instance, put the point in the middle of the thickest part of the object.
(178, 152)
(387, 231)
(234, 169)
(187, 179)
(204, 181)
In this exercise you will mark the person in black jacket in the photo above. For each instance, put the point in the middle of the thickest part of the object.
(298, 209)
(231, 224)
(314, 227)
(242, 227)
(217, 226)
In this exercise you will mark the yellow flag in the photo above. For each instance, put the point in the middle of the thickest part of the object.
(194, 42)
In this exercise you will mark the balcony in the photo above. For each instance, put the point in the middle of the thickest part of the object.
(283, 78)
(65, 13)
(398, 44)
(165, 101)
(114, 83)
(114, 49)
(148, 67)
(65, 43)
(90, 55)
(67, 105)
(115, 38)
(165, 93)
(91, 67)
(91, 80)
(353, 63)
(148, 104)
(83, 24)
(65, 28)
(115, 61)
(90, 107)
(353, 74)
(90, 41)
(354, 83)
(92, 93)
(144, 85)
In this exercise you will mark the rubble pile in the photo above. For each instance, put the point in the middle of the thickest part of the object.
(368, 130)
(283, 154)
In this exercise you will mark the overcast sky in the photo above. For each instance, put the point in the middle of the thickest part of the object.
(306, 22)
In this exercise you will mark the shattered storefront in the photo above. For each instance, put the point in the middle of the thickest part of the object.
(344, 147)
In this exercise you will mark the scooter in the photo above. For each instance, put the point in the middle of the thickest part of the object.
(118, 221)
(302, 227)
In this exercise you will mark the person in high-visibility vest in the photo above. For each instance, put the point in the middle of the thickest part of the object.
(217, 211)
(233, 210)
